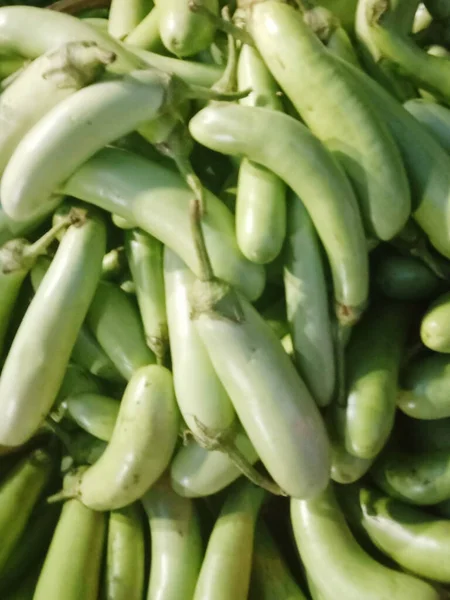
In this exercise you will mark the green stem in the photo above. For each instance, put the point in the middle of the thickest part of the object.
(61, 496)
(197, 92)
(343, 331)
(59, 432)
(223, 441)
(41, 245)
(223, 24)
(195, 214)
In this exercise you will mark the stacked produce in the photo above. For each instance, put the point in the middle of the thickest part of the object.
(225, 300)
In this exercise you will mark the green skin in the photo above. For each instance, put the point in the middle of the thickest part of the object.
(311, 171)
(405, 278)
(373, 361)
(156, 198)
(74, 130)
(261, 195)
(421, 478)
(426, 388)
(141, 445)
(196, 472)
(145, 258)
(429, 72)
(21, 488)
(345, 467)
(340, 45)
(434, 329)
(53, 29)
(329, 553)
(417, 541)
(87, 352)
(76, 381)
(124, 571)
(115, 321)
(31, 547)
(94, 413)
(201, 397)
(273, 404)
(75, 574)
(176, 544)
(226, 568)
(334, 111)
(271, 578)
(49, 329)
(85, 449)
(307, 304)
(401, 18)
(146, 33)
(434, 117)
(53, 77)
(427, 165)
(187, 70)
(125, 15)
(183, 32)
(10, 284)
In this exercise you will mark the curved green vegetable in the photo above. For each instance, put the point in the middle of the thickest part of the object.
(141, 445)
(176, 544)
(416, 478)
(425, 387)
(335, 112)
(405, 278)
(47, 334)
(435, 326)
(416, 540)
(434, 117)
(310, 170)
(330, 552)
(308, 312)
(226, 568)
(145, 258)
(125, 555)
(75, 574)
(94, 413)
(115, 322)
(196, 472)
(261, 195)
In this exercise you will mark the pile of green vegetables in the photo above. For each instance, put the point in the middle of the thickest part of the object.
(225, 300)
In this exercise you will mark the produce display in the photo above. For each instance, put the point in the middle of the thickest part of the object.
(225, 300)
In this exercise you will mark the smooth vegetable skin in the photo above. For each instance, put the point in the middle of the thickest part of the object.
(19, 493)
(271, 578)
(373, 361)
(141, 445)
(261, 195)
(425, 387)
(226, 568)
(125, 15)
(156, 198)
(73, 131)
(416, 540)
(183, 31)
(114, 320)
(196, 472)
(416, 478)
(72, 567)
(52, 29)
(330, 553)
(420, 436)
(310, 170)
(176, 544)
(272, 402)
(47, 334)
(145, 257)
(334, 111)
(94, 413)
(405, 278)
(52, 78)
(308, 312)
(435, 326)
(125, 555)
(201, 397)
(434, 117)
(427, 164)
